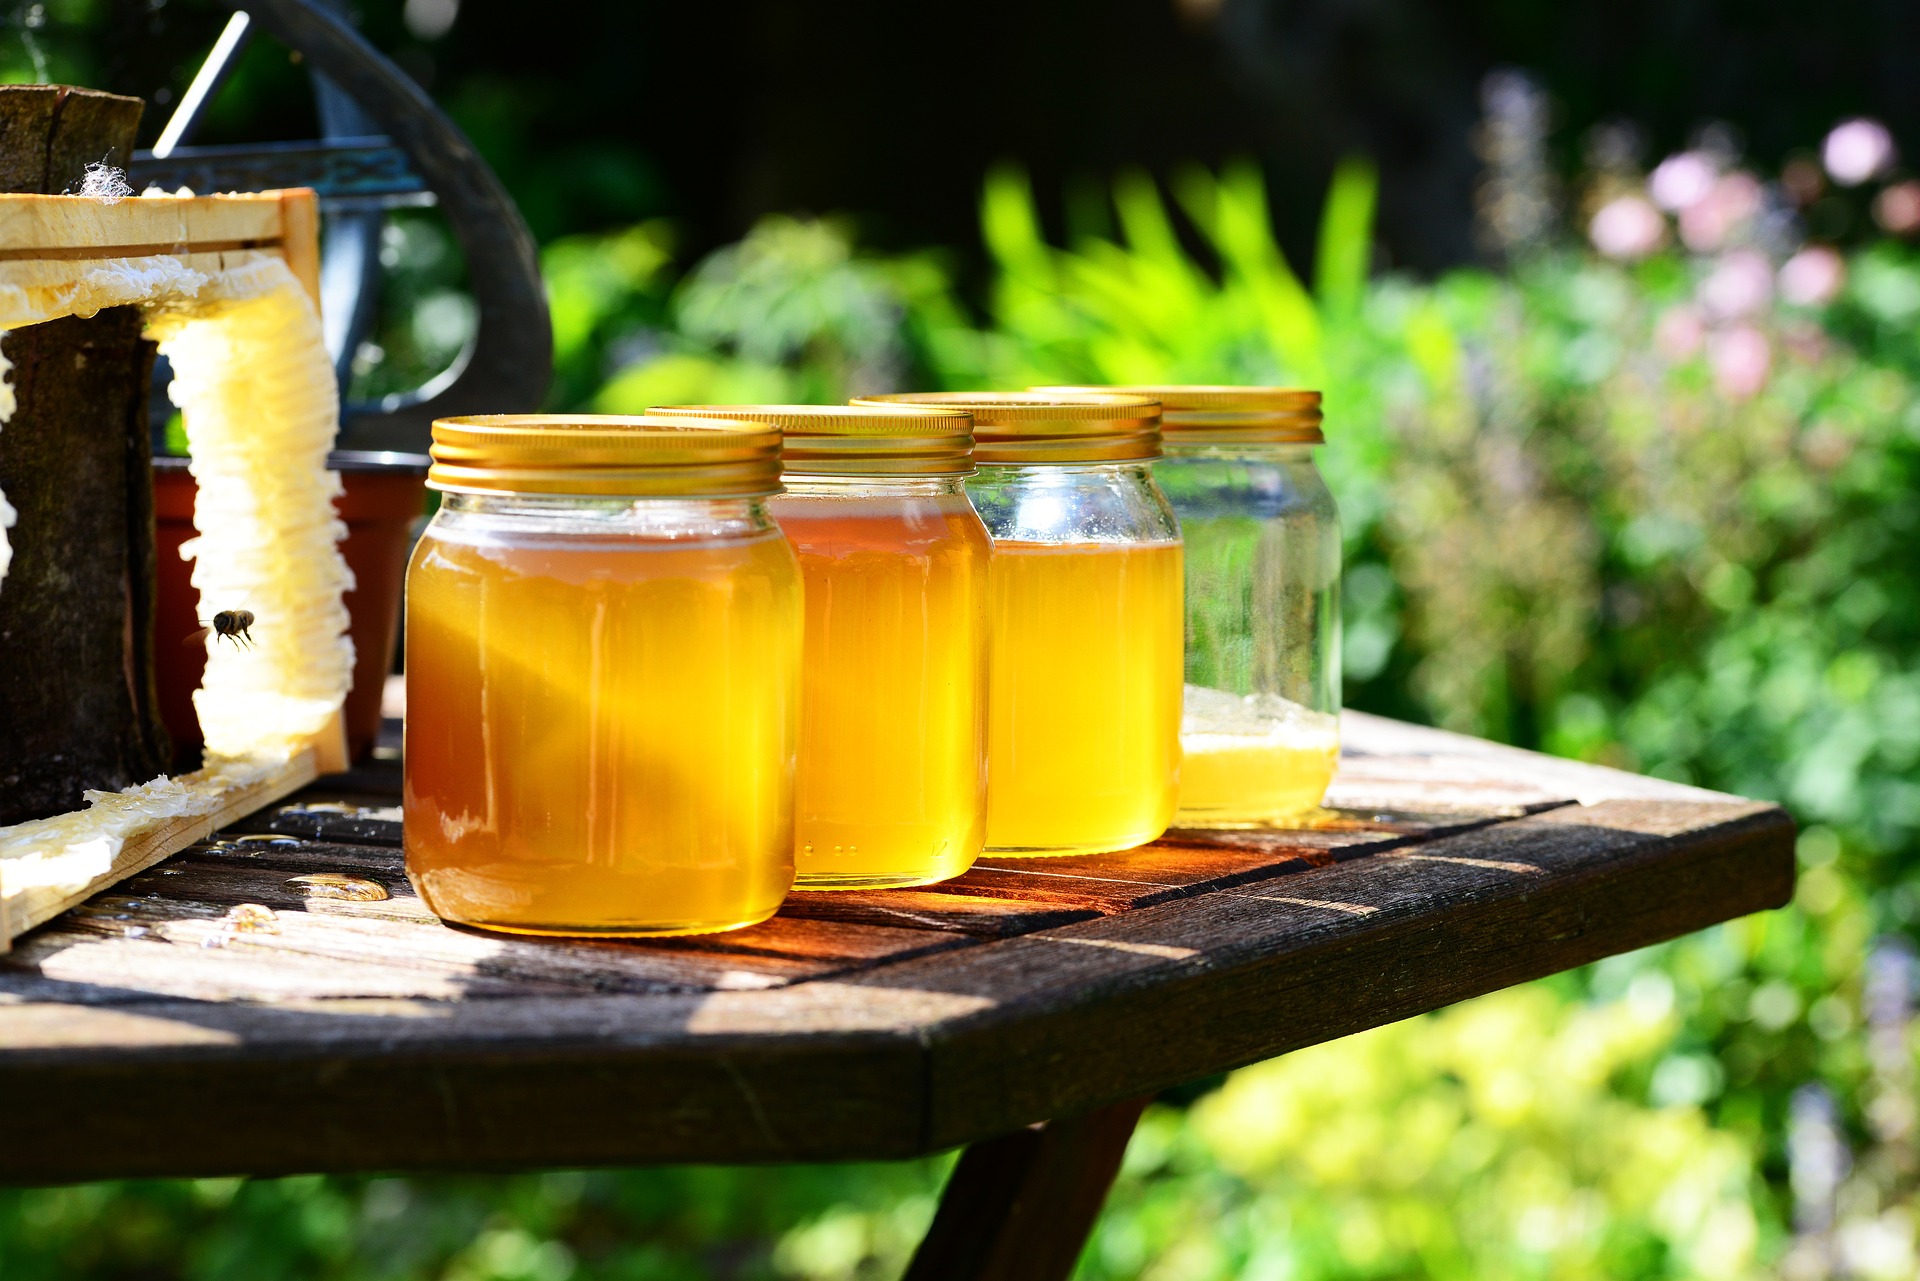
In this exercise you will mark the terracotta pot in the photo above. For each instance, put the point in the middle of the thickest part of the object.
(385, 494)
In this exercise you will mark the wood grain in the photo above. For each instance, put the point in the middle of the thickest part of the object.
(299, 239)
(1180, 991)
(367, 1036)
(77, 696)
(24, 906)
(61, 227)
(49, 134)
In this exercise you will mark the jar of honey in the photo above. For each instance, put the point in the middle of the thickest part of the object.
(891, 787)
(603, 677)
(1083, 722)
(1261, 731)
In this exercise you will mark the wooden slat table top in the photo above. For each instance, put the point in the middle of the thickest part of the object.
(143, 1034)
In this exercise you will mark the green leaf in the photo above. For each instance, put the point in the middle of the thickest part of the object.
(1345, 251)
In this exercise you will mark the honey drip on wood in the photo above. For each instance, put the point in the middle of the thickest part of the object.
(337, 885)
(243, 918)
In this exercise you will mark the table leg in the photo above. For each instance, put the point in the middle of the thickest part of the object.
(1020, 1207)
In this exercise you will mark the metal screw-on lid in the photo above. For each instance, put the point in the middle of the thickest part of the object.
(655, 455)
(1029, 427)
(858, 440)
(1207, 415)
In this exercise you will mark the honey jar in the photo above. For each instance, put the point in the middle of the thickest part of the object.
(1084, 618)
(603, 673)
(891, 787)
(1261, 734)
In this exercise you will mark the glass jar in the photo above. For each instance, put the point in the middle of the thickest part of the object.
(602, 666)
(891, 787)
(1083, 725)
(1261, 731)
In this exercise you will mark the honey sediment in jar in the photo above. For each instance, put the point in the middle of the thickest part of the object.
(890, 788)
(1252, 761)
(1085, 689)
(612, 732)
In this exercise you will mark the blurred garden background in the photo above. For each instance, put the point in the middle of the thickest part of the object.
(1615, 308)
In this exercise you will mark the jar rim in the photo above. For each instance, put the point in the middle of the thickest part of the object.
(1219, 412)
(858, 440)
(1033, 427)
(637, 455)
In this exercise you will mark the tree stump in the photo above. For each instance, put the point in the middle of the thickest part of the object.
(77, 691)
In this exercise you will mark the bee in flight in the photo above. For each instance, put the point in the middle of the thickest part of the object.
(228, 624)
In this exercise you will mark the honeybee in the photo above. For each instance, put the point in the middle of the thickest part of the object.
(228, 624)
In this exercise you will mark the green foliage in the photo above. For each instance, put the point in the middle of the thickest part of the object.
(46, 43)
(1566, 528)
(1501, 1138)
(690, 1224)
(791, 313)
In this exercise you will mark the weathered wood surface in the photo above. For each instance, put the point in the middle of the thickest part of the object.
(25, 906)
(49, 134)
(153, 1037)
(77, 696)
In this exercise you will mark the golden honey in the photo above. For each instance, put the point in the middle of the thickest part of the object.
(611, 735)
(1084, 683)
(890, 789)
(1084, 619)
(1252, 761)
(891, 784)
(603, 695)
(1262, 535)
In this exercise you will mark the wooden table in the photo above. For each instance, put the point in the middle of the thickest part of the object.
(1028, 1009)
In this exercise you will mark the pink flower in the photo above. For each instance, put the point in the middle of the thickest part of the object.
(1898, 208)
(1682, 180)
(1707, 222)
(1741, 361)
(1813, 276)
(1628, 227)
(1740, 284)
(1857, 150)
(1680, 332)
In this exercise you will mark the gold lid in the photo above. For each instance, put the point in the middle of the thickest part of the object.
(859, 440)
(1223, 415)
(655, 455)
(1029, 427)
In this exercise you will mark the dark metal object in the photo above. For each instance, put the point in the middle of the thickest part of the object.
(339, 169)
(507, 366)
(206, 83)
(350, 254)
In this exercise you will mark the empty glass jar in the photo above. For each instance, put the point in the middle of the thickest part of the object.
(603, 677)
(1261, 730)
(1083, 727)
(891, 787)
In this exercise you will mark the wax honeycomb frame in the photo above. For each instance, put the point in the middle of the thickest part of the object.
(232, 282)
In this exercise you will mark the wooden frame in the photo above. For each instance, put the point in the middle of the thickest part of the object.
(198, 230)
(42, 239)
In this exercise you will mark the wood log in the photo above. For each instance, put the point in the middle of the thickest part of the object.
(49, 134)
(77, 690)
